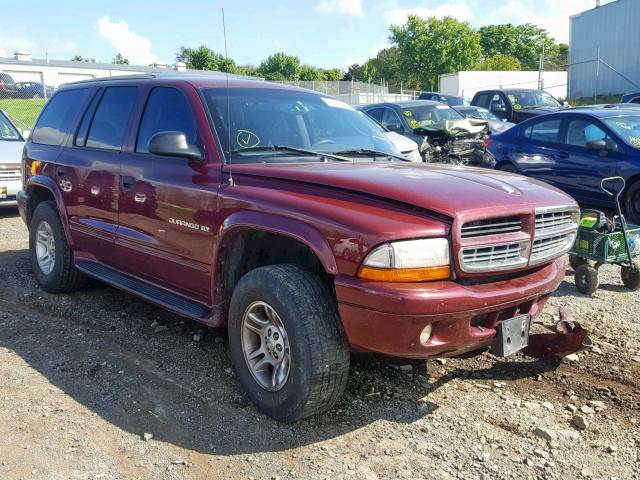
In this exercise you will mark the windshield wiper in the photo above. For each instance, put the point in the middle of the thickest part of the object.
(284, 148)
(371, 153)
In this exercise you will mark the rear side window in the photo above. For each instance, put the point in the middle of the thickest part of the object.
(544, 131)
(167, 110)
(58, 117)
(110, 120)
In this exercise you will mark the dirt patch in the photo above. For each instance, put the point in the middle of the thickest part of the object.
(84, 376)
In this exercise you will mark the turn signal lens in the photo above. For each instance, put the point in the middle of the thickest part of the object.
(35, 166)
(425, 274)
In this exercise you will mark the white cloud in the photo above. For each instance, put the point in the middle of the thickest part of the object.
(398, 16)
(132, 46)
(341, 7)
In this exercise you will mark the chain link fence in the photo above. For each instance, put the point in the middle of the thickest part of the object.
(353, 93)
(22, 101)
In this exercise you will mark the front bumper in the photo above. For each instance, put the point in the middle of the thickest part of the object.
(8, 191)
(388, 318)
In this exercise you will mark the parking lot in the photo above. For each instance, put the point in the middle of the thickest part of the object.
(99, 384)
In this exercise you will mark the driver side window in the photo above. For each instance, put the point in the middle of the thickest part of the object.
(581, 132)
(390, 119)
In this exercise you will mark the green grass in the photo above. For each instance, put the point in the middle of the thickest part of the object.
(601, 99)
(23, 112)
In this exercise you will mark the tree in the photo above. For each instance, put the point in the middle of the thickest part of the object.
(79, 58)
(309, 73)
(331, 75)
(280, 66)
(523, 42)
(369, 72)
(500, 62)
(557, 58)
(431, 47)
(203, 58)
(354, 72)
(388, 65)
(120, 60)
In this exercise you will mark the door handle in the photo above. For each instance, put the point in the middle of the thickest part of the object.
(128, 182)
(563, 154)
(140, 197)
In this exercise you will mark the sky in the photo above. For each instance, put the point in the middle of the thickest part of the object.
(323, 33)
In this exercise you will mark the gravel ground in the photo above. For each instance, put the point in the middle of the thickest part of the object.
(100, 385)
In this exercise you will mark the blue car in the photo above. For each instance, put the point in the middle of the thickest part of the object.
(574, 150)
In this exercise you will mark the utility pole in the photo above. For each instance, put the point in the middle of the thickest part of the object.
(541, 70)
(595, 93)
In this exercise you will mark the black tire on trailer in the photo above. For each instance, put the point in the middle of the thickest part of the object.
(575, 261)
(51, 256)
(631, 276)
(586, 279)
(287, 342)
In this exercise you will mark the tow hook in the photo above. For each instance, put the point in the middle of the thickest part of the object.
(567, 336)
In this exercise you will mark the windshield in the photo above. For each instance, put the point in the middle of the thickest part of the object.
(532, 99)
(453, 101)
(627, 128)
(429, 116)
(7, 130)
(480, 113)
(263, 117)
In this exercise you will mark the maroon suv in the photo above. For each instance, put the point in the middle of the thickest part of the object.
(287, 216)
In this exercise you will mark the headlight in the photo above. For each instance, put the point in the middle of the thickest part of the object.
(413, 155)
(408, 261)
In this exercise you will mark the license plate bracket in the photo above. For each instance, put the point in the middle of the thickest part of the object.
(513, 336)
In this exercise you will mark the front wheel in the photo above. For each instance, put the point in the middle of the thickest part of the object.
(632, 203)
(575, 261)
(631, 276)
(287, 343)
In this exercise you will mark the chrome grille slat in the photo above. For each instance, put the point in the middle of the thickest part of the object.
(493, 257)
(491, 227)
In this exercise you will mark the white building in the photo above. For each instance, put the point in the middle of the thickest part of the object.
(23, 68)
(467, 83)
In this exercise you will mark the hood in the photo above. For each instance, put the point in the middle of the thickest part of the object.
(402, 143)
(457, 128)
(10, 153)
(447, 190)
(496, 126)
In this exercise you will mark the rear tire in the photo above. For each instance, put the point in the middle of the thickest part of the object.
(632, 203)
(631, 276)
(306, 314)
(586, 279)
(51, 256)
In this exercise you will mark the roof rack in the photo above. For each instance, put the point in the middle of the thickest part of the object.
(139, 76)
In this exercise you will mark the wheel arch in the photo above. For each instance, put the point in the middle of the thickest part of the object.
(40, 188)
(249, 240)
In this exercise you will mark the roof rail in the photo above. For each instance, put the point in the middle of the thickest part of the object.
(139, 76)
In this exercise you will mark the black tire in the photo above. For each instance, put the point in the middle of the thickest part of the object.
(63, 277)
(319, 349)
(508, 167)
(575, 261)
(586, 279)
(632, 203)
(631, 276)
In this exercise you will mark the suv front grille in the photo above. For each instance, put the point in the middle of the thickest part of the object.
(497, 257)
(494, 226)
(557, 219)
(10, 174)
(549, 247)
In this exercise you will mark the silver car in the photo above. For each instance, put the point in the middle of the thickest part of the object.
(11, 144)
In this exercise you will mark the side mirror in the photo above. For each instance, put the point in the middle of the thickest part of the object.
(599, 145)
(395, 127)
(174, 144)
(25, 133)
(565, 104)
(499, 109)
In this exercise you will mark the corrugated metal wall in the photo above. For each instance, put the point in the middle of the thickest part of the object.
(614, 28)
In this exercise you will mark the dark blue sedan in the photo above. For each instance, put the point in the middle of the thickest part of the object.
(574, 151)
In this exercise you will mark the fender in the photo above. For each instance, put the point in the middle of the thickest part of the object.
(286, 226)
(46, 182)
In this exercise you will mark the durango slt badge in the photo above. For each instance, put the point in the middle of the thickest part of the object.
(193, 226)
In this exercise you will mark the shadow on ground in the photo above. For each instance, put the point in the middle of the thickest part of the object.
(100, 347)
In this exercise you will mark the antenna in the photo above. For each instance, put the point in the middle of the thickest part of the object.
(226, 56)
